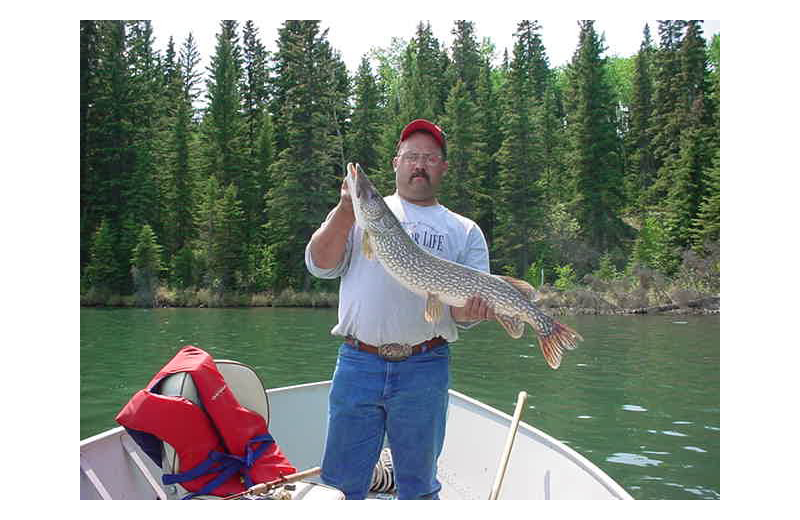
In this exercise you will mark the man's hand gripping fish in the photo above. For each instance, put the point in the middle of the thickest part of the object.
(445, 282)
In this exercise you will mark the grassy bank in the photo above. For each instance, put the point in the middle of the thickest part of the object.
(602, 298)
(205, 298)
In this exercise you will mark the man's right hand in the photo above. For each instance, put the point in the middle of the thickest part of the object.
(345, 201)
(328, 243)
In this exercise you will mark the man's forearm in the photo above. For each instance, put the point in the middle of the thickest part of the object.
(329, 242)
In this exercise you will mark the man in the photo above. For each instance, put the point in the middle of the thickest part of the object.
(373, 395)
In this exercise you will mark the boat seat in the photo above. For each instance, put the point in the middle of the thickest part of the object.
(249, 391)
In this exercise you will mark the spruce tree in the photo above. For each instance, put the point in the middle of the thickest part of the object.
(223, 122)
(101, 270)
(706, 226)
(364, 138)
(89, 81)
(227, 146)
(488, 121)
(594, 161)
(460, 189)
(140, 190)
(665, 125)
(424, 86)
(641, 165)
(254, 104)
(230, 241)
(685, 171)
(115, 146)
(519, 205)
(305, 175)
(466, 58)
(146, 266)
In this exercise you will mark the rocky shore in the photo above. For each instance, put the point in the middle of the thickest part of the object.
(586, 301)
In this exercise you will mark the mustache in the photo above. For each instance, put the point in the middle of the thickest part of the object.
(420, 173)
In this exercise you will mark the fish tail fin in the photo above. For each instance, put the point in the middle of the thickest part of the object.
(553, 344)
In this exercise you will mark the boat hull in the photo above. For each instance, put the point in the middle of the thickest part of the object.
(540, 466)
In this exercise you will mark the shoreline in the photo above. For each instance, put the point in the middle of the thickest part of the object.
(567, 303)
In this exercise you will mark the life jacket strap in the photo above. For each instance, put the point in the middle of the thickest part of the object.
(226, 464)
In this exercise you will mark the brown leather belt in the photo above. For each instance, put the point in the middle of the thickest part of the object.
(395, 351)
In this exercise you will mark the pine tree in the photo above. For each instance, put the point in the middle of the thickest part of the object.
(665, 129)
(140, 190)
(683, 197)
(594, 160)
(686, 170)
(228, 150)
(466, 58)
(189, 59)
(181, 198)
(366, 125)
(266, 157)
(518, 205)
(116, 162)
(254, 100)
(90, 62)
(206, 221)
(224, 126)
(254, 84)
(146, 266)
(488, 121)
(102, 268)
(230, 241)
(304, 176)
(642, 168)
(706, 226)
(424, 86)
(180, 164)
(460, 189)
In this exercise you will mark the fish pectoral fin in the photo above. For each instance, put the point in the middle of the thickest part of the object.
(513, 325)
(433, 308)
(366, 246)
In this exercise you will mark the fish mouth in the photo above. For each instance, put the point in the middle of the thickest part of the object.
(361, 183)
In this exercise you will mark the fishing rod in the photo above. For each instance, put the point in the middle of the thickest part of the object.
(264, 487)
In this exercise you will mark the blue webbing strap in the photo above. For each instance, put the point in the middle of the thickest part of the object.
(226, 464)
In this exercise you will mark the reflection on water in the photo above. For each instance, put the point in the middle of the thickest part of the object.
(639, 397)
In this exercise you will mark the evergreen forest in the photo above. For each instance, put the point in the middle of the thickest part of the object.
(599, 178)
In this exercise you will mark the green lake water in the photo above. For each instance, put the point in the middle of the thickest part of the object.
(640, 397)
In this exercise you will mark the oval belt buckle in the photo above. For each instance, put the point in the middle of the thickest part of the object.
(395, 351)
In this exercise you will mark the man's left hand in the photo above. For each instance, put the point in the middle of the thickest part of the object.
(475, 309)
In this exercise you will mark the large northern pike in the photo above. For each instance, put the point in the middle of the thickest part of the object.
(441, 281)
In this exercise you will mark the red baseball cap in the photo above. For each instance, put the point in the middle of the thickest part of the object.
(425, 126)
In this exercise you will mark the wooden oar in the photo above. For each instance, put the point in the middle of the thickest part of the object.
(501, 471)
(262, 488)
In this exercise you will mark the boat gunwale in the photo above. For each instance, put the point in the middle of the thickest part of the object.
(491, 413)
(551, 442)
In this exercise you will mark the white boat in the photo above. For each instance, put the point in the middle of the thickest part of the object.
(539, 466)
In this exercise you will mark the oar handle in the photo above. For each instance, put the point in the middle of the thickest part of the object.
(286, 479)
(501, 471)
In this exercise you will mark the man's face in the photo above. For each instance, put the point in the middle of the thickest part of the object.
(418, 181)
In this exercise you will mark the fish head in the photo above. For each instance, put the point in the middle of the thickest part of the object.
(368, 204)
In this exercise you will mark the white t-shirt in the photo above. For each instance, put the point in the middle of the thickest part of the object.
(375, 308)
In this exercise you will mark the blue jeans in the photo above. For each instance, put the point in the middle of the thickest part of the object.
(406, 401)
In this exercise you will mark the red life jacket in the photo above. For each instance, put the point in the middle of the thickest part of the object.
(222, 450)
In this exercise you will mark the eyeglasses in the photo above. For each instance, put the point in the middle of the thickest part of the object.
(413, 157)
